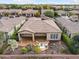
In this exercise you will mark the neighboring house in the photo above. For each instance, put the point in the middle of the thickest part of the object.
(62, 13)
(57, 7)
(68, 7)
(76, 7)
(69, 27)
(74, 18)
(7, 26)
(29, 12)
(36, 29)
(10, 12)
(18, 12)
(75, 12)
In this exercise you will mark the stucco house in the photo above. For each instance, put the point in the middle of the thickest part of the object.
(36, 28)
(69, 27)
(74, 18)
(11, 12)
(7, 26)
(29, 12)
(62, 12)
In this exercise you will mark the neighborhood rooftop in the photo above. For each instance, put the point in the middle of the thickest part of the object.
(73, 27)
(7, 24)
(17, 10)
(37, 25)
(10, 10)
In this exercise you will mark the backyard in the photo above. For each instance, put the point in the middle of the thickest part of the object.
(53, 48)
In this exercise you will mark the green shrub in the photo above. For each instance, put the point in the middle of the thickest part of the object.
(51, 14)
(24, 50)
(6, 14)
(1, 50)
(37, 14)
(15, 35)
(36, 49)
(70, 43)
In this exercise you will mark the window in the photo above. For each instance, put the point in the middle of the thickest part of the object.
(54, 36)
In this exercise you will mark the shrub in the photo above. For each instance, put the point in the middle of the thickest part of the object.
(56, 14)
(6, 14)
(13, 43)
(24, 50)
(64, 50)
(36, 49)
(37, 14)
(76, 38)
(15, 33)
(1, 50)
(50, 14)
(70, 43)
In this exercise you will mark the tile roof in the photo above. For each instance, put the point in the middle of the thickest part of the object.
(36, 25)
(29, 11)
(7, 25)
(10, 10)
(73, 27)
(74, 11)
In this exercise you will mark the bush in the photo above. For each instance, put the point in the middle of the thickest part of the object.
(70, 43)
(15, 33)
(36, 49)
(24, 50)
(1, 50)
(6, 14)
(37, 14)
(13, 44)
(76, 38)
(50, 14)
(64, 50)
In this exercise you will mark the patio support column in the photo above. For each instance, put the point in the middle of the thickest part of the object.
(19, 36)
(33, 14)
(33, 37)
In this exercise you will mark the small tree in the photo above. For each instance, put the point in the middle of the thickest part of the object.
(24, 50)
(76, 38)
(37, 14)
(51, 14)
(1, 39)
(37, 49)
(6, 14)
(13, 44)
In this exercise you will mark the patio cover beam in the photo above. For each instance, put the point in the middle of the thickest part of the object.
(33, 37)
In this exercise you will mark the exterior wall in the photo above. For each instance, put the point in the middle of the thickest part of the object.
(40, 56)
(49, 36)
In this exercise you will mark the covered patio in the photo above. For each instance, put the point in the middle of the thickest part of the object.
(27, 37)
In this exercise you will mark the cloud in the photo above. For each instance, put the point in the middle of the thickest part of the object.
(46, 1)
(76, 1)
(24, 1)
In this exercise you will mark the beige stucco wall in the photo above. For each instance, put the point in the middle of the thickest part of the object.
(49, 36)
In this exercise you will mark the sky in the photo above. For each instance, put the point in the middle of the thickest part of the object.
(39, 1)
